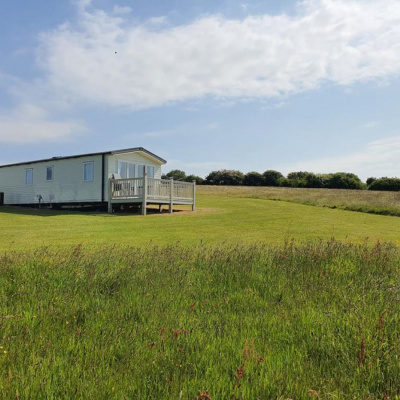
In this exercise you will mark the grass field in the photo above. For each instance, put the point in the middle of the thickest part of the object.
(383, 203)
(224, 215)
(246, 298)
(201, 322)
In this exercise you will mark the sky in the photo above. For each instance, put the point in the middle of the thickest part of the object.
(250, 85)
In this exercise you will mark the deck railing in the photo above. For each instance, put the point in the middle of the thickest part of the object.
(151, 190)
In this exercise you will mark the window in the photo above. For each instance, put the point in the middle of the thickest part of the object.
(29, 176)
(150, 171)
(49, 173)
(140, 171)
(123, 169)
(88, 171)
(130, 170)
(126, 169)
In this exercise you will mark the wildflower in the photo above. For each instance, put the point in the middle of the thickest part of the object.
(67, 322)
(5, 351)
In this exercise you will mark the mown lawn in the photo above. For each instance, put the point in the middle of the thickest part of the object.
(224, 215)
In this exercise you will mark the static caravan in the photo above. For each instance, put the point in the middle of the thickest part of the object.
(119, 177)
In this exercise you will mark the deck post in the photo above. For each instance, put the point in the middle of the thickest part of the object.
(110, 187)
(144, 191)
(171, 197)
(194, 196)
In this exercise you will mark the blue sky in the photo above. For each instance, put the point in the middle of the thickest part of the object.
(250, 85)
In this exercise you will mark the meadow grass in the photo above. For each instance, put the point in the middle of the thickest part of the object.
(246, 298)
(223, 215)
(374, 202)
(299, 321)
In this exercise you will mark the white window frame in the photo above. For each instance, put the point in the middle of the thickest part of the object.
(85, 177)
(148, 166)
(138, 168)
(50, 168)
(29, 176)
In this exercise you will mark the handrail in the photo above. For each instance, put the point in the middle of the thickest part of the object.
(156, 188)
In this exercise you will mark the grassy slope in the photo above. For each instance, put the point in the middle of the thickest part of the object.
(229, 218)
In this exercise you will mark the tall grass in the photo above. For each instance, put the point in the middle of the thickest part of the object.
(300, 321)
(384, 203)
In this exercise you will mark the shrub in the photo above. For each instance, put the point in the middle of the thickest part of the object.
(385, 183)
(297, 175)
(199, 180)
(175, 174)
(271, 177)
(225, 177)
(343, 180)
(285, 182)
(370, 180)
(253, 179)
(313, 181)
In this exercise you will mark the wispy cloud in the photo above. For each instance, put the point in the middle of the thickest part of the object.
(118, 10)
(371, 124)
(176, 131)
(31, 124)
(378, 158)
(263, 56)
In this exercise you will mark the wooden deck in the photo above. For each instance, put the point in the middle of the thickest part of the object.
(151, 191)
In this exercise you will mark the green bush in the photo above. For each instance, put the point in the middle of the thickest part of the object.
(198, 179)
(271, 177)
(253, 179)
(385, 183)
(343, 180)
(175, 174)
(225, 177)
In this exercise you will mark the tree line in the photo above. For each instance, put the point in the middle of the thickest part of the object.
(300, 179)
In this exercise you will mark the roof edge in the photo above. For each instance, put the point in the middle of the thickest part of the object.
(120, 151)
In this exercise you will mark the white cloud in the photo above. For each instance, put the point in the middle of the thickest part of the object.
(158, 20)
(328, 41)
(371, 124)
(31, 124)
(121, 10)
(379, 158)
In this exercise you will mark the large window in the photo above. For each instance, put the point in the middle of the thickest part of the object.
(130, 170)
(150, 170)
(49, 173)
(88, 171)
(140, 168)
(29, 177)
(126, 169)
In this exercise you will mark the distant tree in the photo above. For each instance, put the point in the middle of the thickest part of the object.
(312, 180)
(285, 182)
(175, 174)
(253, 179)
(343, 180)
(271, 177)
(370, 180)
(199, 180)
(385, 183)
(297, 179)
(225, 177)
(297, 175)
